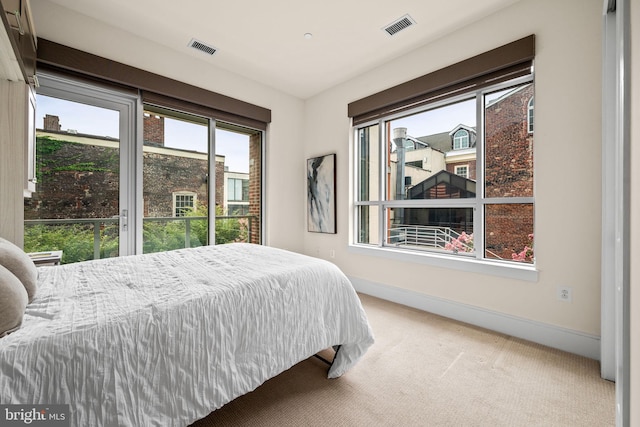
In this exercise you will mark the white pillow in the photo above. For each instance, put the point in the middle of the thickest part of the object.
(18, 262)
(13, 301)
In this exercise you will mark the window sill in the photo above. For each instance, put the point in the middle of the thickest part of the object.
(526, 272)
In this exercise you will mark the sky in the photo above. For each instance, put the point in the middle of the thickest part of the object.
(234, 146)
(438, 120)
(443, 119)
(99, 121)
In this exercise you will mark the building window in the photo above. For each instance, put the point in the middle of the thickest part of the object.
(462, 171)
(183, 203)
(238, 190)
(530, 115)
(461, 140)
(450, 209)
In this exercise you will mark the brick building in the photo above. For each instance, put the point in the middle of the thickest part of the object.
(451, 173)
(79, 176)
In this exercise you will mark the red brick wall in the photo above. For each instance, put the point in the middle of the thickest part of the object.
(255, 185)
(471, 164)
(508, 173)
(82, 181)
(51, 123)
(220, 183)
(153, 129)
(509, 147)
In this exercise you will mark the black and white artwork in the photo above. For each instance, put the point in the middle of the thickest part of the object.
(321, 194)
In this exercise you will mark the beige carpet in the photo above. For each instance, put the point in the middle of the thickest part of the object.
(425, 370)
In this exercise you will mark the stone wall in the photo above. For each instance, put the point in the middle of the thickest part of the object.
(82, 181)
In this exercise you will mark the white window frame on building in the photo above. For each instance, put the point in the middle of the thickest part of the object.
(183, 202)
(461, 139)
(462, 170)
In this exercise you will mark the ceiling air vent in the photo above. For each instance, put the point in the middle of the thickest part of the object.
(203, 47)
(398, 25)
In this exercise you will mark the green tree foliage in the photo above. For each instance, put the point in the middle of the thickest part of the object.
(77, 240)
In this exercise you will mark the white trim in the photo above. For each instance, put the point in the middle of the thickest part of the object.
(174, 196)
(508, 269)
(456, 170)
(530, 115)
(611, 177)
(542, 333)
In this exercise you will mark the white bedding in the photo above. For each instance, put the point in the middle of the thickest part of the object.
(166, 338)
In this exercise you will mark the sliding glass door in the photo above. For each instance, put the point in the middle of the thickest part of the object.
(117, 177)
(82, 205)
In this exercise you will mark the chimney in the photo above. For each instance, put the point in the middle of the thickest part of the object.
(153, 129)
(51, 123)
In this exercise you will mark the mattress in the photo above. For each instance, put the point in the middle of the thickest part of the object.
(166, 338)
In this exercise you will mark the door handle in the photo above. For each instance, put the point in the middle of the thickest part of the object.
(123, 219)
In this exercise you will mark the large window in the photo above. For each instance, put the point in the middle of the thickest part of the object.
(465, 191)
(102, 191)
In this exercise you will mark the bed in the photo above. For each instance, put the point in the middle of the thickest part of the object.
(167, 338)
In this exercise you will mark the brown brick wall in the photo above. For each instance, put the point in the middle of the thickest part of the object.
(509, 147)
(451, 167)
(164, 174)
(507, 229)
(75, 181)
(153, 129)
(51, 123)
(508, 173)
(81, 181)
(255, 185)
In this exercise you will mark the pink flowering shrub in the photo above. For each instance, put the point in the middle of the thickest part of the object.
(463, 243)
(526, 254)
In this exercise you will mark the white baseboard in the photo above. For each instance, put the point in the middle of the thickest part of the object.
(542, 333)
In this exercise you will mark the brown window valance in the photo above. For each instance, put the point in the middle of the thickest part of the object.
(153, 86)
(503, 63)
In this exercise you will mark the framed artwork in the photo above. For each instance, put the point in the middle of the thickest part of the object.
(321, 194)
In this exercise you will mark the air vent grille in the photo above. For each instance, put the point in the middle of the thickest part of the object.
(203, 47)
(398, 25)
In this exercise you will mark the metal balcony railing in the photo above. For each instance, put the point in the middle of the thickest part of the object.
(426, 236)
(94, 238)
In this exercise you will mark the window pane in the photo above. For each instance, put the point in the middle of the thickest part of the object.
(424, 150)
(76, 202)
(368, 163)
(448, 229)
(369, 222)
(509, 232)
(238, 167)
(508, 143)
(175, 171)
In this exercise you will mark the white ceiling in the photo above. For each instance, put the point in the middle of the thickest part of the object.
(263, 40)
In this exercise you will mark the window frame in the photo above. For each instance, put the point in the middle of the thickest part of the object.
(456, 169)
(176, 194)
(459, 136)
(530, 113)
(476, 262)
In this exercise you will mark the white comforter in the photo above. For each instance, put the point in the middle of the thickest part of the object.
(166, 338)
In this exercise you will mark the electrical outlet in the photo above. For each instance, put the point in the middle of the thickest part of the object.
(565, 293)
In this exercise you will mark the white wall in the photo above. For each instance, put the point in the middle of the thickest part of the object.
(566, 156)
(283, 215)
